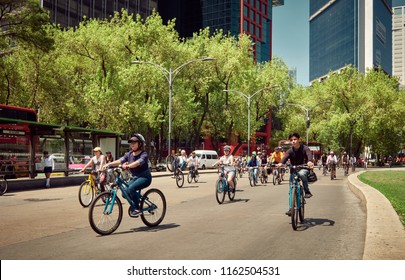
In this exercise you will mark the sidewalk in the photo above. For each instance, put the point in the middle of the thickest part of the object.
(385, 234)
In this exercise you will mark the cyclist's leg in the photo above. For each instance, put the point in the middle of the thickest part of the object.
(303, 173)
(135, 185)
(230, 176)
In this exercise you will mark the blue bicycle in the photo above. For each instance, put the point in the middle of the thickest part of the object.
(222, 186)
(253, 176)
(105, 213)
(296, 196)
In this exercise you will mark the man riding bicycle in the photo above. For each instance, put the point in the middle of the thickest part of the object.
(192, 163)
(276, 158)
(136, 161)
(332, 161)
(345, 162)
(299, 154)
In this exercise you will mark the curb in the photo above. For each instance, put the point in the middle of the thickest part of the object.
(385, 234)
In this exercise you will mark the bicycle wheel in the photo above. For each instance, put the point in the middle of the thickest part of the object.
(294, 210)
(196, 177)
(86, 194)
(170, 163)
(251, 179)
(274, 177)
(301, 211)
(262, 178)
(153, 207)
(106, 217)
(189, 177)
(231, 193)
(3, 186)
(220, 190)
(180, 179)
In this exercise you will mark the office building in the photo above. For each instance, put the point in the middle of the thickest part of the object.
(398, 41)
(68, 13)
(253, 17)
(349, 32)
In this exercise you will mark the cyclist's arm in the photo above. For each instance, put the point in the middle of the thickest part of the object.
(87, 165)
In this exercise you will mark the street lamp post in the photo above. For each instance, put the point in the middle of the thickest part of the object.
(306, 110)
(170, 75)
(248, 98)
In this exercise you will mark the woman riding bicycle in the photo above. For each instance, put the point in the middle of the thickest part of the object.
(136, 161)
(228, 160)
(192, 162)
(97, 162)
(253, 163)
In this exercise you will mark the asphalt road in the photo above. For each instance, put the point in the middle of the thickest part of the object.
(50, 224)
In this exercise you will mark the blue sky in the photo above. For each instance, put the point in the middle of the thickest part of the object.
(291, 36)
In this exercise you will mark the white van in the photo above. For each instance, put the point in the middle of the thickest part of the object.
(206, 158)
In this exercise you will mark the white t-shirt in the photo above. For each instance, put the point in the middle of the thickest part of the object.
(97, 162)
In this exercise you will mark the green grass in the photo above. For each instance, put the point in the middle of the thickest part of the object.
(391, 184)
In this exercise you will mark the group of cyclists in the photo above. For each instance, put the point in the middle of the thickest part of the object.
(330, 162)
(136, 161)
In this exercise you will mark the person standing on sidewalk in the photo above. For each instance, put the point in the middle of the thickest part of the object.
(49, 165)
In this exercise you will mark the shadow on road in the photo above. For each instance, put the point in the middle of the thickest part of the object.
(149, 229)
(312, 222)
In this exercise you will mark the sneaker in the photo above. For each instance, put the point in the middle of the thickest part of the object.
(308, 195)
(135, 213)
(288, 213)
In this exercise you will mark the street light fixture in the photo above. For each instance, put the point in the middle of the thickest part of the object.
(248, 98)
(307, 121)
(170, 75)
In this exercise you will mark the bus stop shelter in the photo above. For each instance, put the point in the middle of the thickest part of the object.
(23, 142)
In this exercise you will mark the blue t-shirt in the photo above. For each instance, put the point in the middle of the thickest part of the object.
(253, 163)
(142, 158)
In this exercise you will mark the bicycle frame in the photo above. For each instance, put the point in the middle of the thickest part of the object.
(295, 182)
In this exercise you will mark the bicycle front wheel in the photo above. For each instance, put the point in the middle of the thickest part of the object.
(301, 206)
(220, 190)
(3, 186)
(180, 179)
(153, 207)
(274, 177)
(189, 177)
(105, 217)
(294, 209)
(86, 194)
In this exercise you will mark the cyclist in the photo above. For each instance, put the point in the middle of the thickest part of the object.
(193, 163)
(332, 161)
(324, 166)
(136, 161)
(276, 157)
(253, 162)
(345, 162)
(299, 154)
(228, 160)
(97, 162)
(264, 162)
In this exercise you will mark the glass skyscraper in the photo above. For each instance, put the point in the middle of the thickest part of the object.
(253, 17)
(398, 40)
(349, 32)
(68, 13)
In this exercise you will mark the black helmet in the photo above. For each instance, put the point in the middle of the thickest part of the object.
(137, 137)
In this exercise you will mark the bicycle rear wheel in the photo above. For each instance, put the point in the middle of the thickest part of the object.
(86, 194)
(196, 177)
(294, 210)
(3, 186)
(302, 206)
(180, 179)
(262, 178)
(220, 190)
(106, 217)
(170, 163)
(153, 207)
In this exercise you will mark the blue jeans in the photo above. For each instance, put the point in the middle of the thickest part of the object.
(303, 173)
(137, 183)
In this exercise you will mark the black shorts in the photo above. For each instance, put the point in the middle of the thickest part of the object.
(48, 169)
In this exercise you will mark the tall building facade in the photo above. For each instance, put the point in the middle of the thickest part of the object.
(253, 17)
(398, 41)
(69, 13)
(349, 32)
